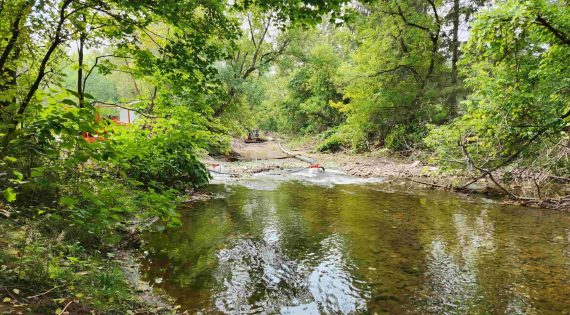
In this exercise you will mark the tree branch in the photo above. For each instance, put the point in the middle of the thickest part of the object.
(559, 34)
(127, 108)
(15, 35)
(515, 155)
(401, 14)
(484, 171)
(396, 68)
(96, 64)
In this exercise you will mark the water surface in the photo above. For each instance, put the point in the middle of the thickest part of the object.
(299, 248)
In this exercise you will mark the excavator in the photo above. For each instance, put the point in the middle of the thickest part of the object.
(253, 136)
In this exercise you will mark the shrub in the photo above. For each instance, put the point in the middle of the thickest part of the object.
(333, 142)
(403, 138)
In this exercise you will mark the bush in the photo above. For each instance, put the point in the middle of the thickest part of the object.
(165, 155)
(333, 142)
(403, 138)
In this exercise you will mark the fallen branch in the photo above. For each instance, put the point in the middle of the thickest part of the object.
(9, 293)
(296, 156)
(484, 173)
(43, 293)
(560, 179)
(5, 212)
(127, 108)
(66, 306)
(561, 203)
(515, 155)
(428, 184)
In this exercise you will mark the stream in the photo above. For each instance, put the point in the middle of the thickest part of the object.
(306, 243)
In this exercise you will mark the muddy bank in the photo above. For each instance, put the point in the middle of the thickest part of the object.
(268, 157)
(156, 302)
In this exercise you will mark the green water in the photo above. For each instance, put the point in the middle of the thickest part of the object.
(308, 249)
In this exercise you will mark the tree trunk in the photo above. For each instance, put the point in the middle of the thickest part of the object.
(22, 15)
(454, 58)
(12, 124)
(8, 74)
(81, 48)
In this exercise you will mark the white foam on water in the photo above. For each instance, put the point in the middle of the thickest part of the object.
(272, 179)
(331, 177)
(303, 309)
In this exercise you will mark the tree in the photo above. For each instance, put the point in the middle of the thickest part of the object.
(260, 45)
(311, 67)
(516, 117)
(121, 24)
(395, 77)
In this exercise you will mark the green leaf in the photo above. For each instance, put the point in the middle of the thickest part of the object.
(10, 159)
(37, 172)
(69, 102)
(10, 194)
(73, 259)
(68, 201)
(73, 92)
(19, 175)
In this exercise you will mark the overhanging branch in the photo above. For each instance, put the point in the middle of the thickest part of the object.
(127, 108)
(556, 32)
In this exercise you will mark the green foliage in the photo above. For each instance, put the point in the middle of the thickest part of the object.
(167, 155)
(307, 105)
(196, 71)
(333, 141)
(66, 271)
(394, 79)
(402, 138)
(383, 76)
(299, 11)
(101, 87)
(9, 194)
(518, 71)
(69, 174)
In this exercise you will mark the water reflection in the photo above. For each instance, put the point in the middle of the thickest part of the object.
(258, 269)
(452, 279)
(331, 282)
(303, 249)
(451, 286)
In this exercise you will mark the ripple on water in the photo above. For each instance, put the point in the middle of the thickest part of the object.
(287, 285)
(331, 282)
(301, 248)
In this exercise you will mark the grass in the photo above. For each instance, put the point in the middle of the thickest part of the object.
(41, 274)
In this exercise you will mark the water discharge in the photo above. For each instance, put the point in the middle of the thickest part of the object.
(310, 243)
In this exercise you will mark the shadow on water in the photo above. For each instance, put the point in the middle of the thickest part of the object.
(301, 248)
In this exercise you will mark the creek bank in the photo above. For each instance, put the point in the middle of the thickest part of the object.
(155, 301)
(248, 159)
(40, 275)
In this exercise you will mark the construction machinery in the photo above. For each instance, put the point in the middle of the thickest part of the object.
(253, 136)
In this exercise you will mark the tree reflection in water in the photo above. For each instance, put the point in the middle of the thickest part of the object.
(294, 248)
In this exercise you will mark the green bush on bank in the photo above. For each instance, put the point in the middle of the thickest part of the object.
(333, 141)
(71, 201)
